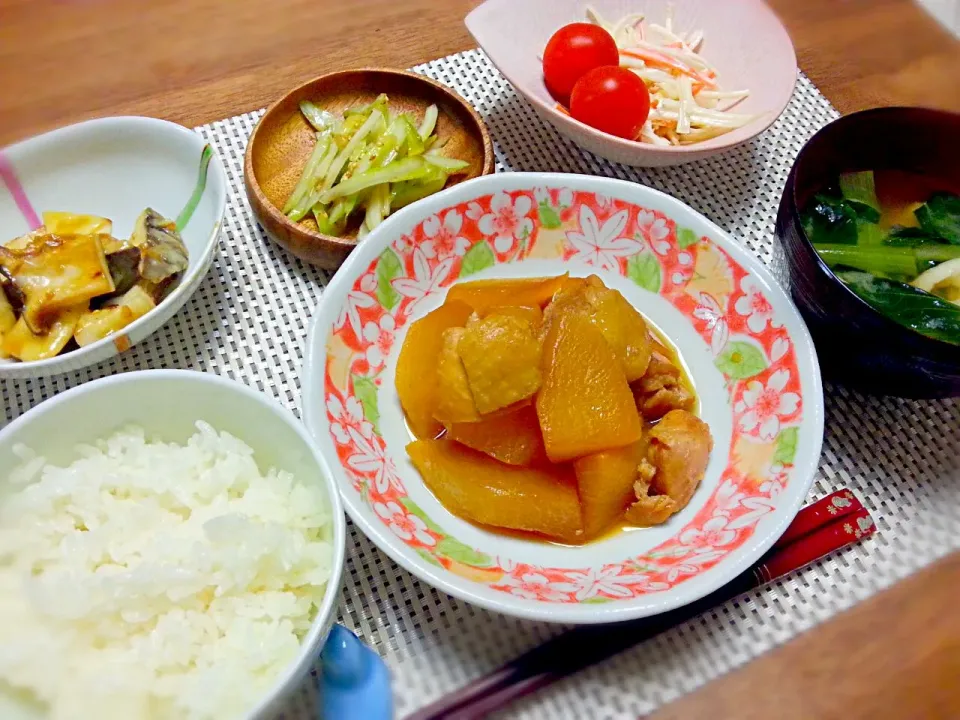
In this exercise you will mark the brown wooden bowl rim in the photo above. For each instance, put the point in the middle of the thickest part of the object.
(306, 233)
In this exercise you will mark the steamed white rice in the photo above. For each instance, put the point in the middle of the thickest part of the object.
(152, 580)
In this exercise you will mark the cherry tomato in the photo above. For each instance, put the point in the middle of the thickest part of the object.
(574, 50)
(611, 99)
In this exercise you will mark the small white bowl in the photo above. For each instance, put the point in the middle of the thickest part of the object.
(167, 404)
(745, 346)
(115, 167)
(743, 39)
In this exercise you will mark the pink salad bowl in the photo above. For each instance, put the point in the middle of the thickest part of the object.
(744, 40)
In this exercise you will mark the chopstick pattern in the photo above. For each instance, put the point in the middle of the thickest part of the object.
(834, 506)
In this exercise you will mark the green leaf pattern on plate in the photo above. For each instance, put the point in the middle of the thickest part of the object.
(644, 270)
(389, 267)
(415, 509)
(426, 555)
(549, 217)
(365, 390)
(686, 237)
(457, 551)
(741, 360)
(478, 258)
(786, 449)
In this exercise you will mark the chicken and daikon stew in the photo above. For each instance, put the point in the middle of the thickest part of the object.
(71, 283)
(555, 409)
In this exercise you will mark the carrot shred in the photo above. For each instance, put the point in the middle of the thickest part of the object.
(665, 61)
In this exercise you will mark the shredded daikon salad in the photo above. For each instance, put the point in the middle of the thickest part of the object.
(686, 102)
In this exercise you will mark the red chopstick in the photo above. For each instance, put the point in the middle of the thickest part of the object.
(815, 533)
(815, 515)
(820, 543)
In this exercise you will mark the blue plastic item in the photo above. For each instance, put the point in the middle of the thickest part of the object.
(354, 682)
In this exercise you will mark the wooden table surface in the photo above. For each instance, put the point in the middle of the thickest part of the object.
(193, 61)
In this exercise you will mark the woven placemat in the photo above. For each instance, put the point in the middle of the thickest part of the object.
(249, 321)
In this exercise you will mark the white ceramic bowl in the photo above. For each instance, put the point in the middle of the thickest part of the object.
(747, 350)
(744, 40)
(115, 167)
(167, 403)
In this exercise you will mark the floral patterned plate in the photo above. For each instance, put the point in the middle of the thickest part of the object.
(747, 350)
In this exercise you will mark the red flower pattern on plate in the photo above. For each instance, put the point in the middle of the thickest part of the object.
(726, 307)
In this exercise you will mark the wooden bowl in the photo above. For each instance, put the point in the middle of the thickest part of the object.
(283, 140)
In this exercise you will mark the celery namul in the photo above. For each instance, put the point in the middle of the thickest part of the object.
(368, 161)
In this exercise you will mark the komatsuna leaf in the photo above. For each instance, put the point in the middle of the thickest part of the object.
(830, 220)
(919, 310)
(940, 215)
(911, 237)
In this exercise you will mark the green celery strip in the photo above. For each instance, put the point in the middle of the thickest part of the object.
(429, 122)
(386, 198)
(374, 214)
(378, 103)
(334, 171)
(309, 199)
(308, 175)
(414, 143)
(404, 193)
(406, 169)
(322, 120)
(323, 221)
(450, 165)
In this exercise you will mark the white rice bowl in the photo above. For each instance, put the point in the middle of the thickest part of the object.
(150, 579)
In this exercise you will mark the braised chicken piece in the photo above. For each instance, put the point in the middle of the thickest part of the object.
(677, 459)
(501, 356)
(621, 325)
(661, 389)
(680, 448)
(649, 509)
